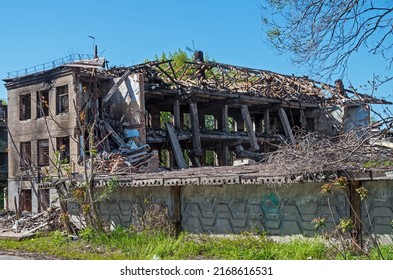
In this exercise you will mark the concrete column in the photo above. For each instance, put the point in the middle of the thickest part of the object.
(266, 121)
(176, 114)
(223, 156)
(196, 137)
(223, 120)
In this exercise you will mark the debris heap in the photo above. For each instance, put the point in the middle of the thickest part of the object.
(30, 223)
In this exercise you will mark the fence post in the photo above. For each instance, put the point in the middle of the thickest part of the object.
(356, 212)
(176, 200)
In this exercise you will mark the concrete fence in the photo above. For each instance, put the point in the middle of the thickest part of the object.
(284, 209)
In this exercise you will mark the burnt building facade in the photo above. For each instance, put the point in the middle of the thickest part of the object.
(189, 115)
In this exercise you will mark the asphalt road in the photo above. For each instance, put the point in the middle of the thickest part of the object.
(9, 257)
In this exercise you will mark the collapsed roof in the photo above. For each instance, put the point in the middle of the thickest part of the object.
(217, 77)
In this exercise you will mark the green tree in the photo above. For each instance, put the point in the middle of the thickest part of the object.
(179, 58)
(325, 34)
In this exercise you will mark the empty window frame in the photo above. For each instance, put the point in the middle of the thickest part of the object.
(43, 152)
(62, 104)
(165, 117)
(210, 122)
(25, 154)
(63, 146)
(3, 160)
(42, 104)
(25, 107)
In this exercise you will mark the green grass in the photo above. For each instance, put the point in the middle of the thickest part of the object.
(125, 244)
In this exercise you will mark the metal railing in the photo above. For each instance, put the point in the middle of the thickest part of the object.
(48, 65)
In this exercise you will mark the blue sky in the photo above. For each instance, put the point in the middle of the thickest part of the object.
(128, 32)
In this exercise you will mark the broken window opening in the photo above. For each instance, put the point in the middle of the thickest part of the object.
(3, 160)
(3, 133)
(253, 122)
(62, 104)
(187, 121)
(63, 147)
(187, 157)
(25, 154)
(25, 107)
(43, 152)
(165, 117)
(165, 158)
(85, 88)
(231, 124)
(42, 104)
(210, 122)
(261, 126)
(210, 158)
(231, 157)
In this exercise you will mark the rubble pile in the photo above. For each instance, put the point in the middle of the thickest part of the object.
(30, 223)
(128, 160)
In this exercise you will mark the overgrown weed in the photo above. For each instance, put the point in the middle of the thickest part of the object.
(124, 243)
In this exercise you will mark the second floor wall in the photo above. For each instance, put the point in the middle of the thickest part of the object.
(41, 120)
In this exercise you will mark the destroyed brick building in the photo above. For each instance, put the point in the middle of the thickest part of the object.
(160, 116)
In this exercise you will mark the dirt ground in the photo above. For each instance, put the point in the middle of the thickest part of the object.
(27, 255)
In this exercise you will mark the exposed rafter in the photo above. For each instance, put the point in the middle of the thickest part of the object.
(220, 77)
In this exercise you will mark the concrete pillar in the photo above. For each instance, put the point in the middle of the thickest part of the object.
(196, 137)
(223, 119)
(223, 159)
(266, 121)
(177, 114)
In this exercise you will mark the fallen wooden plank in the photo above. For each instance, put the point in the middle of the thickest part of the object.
(285, 123)
(249, 126)
(116, 137)
(176, 149)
